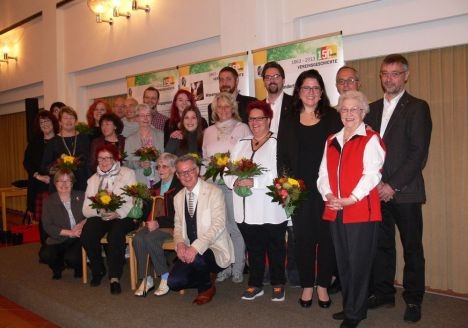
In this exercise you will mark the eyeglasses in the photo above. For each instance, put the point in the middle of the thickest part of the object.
(353, 110)
(257, 119)
(347, 81)
(314, 89)
(102, 159)
(186, 172)
(393, 75)
(43, 122)
(272, 77)
(162, 166)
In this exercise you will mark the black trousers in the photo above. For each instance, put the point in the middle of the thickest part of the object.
(408, 219)
(93, 230)
(194, 275)
(314, 252)
(355, 245)
(57, 256)
(264, 240)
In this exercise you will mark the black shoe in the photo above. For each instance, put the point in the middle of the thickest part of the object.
(96, 280)
(374, 302)
(304, 304)
(339, 315)
(57, 275)
(325, 304)
(412, 313)
(350, 323)
(115, 288)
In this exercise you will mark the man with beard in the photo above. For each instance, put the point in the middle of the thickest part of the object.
(151, 98)
(228, 79)
(118, 107)
(281, 103)
(404, 123)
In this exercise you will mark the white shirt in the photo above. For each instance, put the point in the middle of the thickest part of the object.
(388, 109)
(195, 191)
(276, 108)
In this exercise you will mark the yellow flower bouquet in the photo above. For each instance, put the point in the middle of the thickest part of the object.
(107, 201)
(216, 165)
(65, 163)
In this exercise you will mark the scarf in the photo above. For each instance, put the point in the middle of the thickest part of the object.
(107, 178)
(225, 129)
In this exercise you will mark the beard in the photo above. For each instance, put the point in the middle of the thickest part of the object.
(273, 88)
(227, 88)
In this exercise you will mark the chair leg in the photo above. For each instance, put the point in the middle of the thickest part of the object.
(132, 264)
(84, 258)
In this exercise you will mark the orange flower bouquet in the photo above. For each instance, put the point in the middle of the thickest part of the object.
(288, 192)
(147, 154)
(244, 169)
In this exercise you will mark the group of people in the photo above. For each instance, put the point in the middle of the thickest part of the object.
(361, 164)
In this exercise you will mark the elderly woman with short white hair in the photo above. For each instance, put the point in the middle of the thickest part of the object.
(146, 136)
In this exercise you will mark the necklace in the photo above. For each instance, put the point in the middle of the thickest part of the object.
(66, 146)
(256, 141)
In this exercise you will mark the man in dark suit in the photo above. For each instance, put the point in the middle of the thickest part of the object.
(404, 122)
(203, 245)
(228, 79)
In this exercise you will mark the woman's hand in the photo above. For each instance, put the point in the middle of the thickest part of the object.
(152, 225)
(43, 178)
(107, 216)
(177, 134)
(145, 164)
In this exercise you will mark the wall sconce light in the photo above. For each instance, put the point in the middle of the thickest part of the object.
(6, 57)
(135, 6)
(99, 7)
(116, 10)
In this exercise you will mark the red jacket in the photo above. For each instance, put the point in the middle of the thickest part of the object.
(345, 168)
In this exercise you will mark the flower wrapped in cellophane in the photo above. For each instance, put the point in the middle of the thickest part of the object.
(288, 192)
(244, 169)
(138, 192)
(147, 154)
(216, 166)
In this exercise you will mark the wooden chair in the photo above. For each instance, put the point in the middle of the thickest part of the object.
(132, 260)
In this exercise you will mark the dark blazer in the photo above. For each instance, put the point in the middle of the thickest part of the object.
(55, 216)
(174, 188)
(407, 139)
(242, 103)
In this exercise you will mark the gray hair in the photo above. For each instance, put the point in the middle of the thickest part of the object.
(231, 101)
(356, 95)
(168, 159)
(186, 158)
(141, 107)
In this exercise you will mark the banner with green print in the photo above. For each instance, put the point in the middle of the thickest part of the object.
(323, 53)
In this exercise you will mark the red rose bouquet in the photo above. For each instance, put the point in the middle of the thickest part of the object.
(244, 169)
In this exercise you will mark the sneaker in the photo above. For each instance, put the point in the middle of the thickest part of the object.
(278, 294)
(141, 291)
(223, 275)
(237, 277)
(163, 288)
(252, 293)
(412, 313)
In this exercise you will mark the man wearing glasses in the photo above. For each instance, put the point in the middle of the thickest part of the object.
(404, 123)
(203, 245)
(347, 79)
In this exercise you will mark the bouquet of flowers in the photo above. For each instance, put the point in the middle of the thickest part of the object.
(65, 163)
(138, 192)
(106, 200)
(147, 154)
(288, 192)
(244, 168)
(216, 165)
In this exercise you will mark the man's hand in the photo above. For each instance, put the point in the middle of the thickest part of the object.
(385, 192)
(190, 254)
(152, 225)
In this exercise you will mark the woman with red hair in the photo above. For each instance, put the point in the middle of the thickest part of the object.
(182, 100)
(98, 108)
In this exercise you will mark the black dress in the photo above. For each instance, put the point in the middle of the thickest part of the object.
(299, 155)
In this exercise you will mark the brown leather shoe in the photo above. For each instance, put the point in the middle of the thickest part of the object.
(206, 296)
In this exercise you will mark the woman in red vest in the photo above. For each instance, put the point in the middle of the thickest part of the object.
(348, 178)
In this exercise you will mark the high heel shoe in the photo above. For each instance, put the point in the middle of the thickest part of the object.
(304, 304)
(325, 304)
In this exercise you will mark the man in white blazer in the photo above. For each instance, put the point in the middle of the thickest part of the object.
(203, 245)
